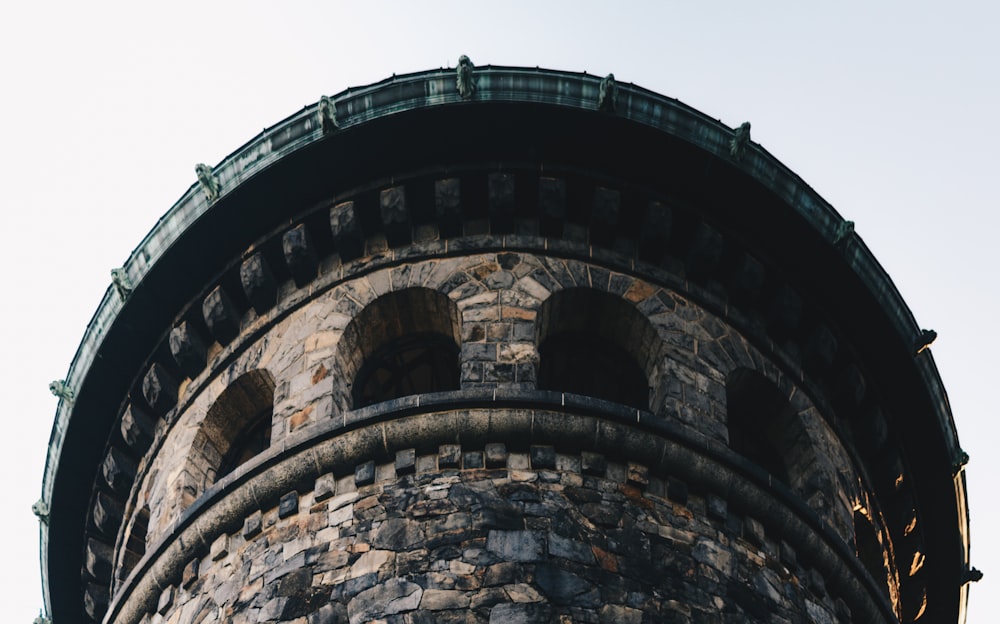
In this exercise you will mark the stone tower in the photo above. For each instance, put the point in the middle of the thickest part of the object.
(503, 345)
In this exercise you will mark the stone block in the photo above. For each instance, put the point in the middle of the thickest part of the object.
(252, 525)
(543, 457)
(716, 507)
(406, 461)
(221, 315)
(516, 545)
(107, 514)
(159, 388)
(95, 600)
(288, 505)
(787, 554)
(500, 191)
(449, 455)
(551, 206)
(448, 206)
(604, 216)
(784, 312)
(188, 349)
(820, 349)
(326, 487)
(98, 559)
(119, 471)
(753, 531)
(259, 284)
(190, 574)
(396, 595)
(655, 232)
(496, 455)
(137, 428)
(300, 255)
(166, 600)
(520, 613)
(705, 252)
(219, 548)
(395, 216)
(345, 225)
(850, 386)
(472, 460)
(746, 281)
(677, 491)
(364, 474)
(594, 464)
(638, 474)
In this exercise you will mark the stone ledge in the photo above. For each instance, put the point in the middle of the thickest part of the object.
(663, 448)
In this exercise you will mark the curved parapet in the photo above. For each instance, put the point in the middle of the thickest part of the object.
(606, 305)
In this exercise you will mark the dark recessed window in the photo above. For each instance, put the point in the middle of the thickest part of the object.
(757, 412)
(135, 543)
(595, 344)
(589, 364)
(251, 441)
(412, 364)
(870, 551)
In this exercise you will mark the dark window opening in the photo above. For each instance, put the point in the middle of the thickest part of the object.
(251, 441)
(592, 365)
(870, 551)
(757, 411)
(412, 364)
(135, 543)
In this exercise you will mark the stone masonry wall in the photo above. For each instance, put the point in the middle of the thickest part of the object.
(540, 537)
(496, 299)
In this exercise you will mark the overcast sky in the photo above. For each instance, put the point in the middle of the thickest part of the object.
(887, 109)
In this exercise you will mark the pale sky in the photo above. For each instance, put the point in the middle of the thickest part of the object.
(887, 109)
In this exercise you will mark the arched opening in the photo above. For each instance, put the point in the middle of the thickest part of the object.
(403, 343)
(759, 419)
(411, 364)
(595, 344)
(871, 553)
(236, 428)
(135, 543)
(238, 425)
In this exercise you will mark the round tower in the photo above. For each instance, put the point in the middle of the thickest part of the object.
(496, 344)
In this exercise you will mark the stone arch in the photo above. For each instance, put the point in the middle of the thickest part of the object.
(873, 552)
(594, 343)
(761, 422)
(404, 342)
(236, 427)
(134, 546)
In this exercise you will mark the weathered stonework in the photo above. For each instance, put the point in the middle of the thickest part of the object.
(502, 376)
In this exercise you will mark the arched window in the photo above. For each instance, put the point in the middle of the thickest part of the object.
(236, 428)
(238, 425)
(595, 344)
(403, 343)
(411, 364)
(872, 554)
(135, 543)
(759, 417)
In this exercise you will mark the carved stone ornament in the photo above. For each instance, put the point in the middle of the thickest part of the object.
(327, 112)
(209, 183)
(123, 286)
(959, 462)
(41, 510)
(463, 77)
(741, 138)
(925, 340)
(62, 390)
(607, 97)
(844, 230)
